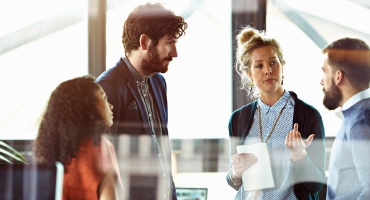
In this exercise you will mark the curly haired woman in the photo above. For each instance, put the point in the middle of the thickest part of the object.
(71, 132)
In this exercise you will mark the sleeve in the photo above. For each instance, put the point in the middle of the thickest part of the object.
(310, 170)
(114, 99)
(359, 150)
(110, 160)
(233, 142)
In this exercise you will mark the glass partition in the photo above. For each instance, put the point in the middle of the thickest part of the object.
(44, 43)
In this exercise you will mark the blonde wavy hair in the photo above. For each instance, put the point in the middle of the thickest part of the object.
(248, 40)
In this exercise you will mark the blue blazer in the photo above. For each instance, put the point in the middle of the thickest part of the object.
(129, 114)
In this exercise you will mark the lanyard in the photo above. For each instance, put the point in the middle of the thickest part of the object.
(273, 126)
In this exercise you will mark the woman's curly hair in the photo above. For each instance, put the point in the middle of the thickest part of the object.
(153, 20)
(70, 116)
(248, 40)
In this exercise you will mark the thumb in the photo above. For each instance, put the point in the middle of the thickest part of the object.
(308, 141)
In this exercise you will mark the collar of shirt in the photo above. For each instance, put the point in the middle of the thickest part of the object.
(277, 106)
(135, 74)
(364, 94)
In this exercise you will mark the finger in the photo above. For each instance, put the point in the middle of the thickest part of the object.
(235, 159)
(238, 158)
(245, 163)
(311, 137)
(299, 137)
(299, 140)
(294, 136)
(290, 138)
(241, 168)
(247, 155)
(286, 139)
(295, 132)
(243, 155)
(295, 128)
(308, 141)
(248, 158)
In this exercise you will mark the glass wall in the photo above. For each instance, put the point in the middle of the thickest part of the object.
(204, 57)
(304, 28)
(43, 43)
(199, 97)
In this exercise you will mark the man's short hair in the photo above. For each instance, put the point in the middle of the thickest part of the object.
(153, 20)
(352, 57)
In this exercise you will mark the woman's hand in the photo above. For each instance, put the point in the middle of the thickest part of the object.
(295, 143)
(240, 163)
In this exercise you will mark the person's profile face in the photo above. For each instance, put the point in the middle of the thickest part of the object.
(332, 94)
(265, 69)
(104, 107)
(158, 57)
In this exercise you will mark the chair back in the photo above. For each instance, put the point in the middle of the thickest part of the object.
(31, 181)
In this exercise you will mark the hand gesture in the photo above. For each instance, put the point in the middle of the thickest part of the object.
(240, 163)
(295, 143)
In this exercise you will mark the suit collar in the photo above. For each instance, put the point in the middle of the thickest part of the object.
(136, 76)
(153, 87)
(124, 70)
(158, 99)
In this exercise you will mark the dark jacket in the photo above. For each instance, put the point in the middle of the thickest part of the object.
(129, 114)
(309, 172)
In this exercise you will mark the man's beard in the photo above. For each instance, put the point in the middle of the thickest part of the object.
(332, 97)
(152, 63)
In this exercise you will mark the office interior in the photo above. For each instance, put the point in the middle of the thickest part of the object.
(43, 43)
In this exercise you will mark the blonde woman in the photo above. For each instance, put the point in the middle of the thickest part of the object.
(278, 118)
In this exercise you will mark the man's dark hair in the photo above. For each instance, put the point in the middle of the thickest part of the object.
(153, 20)
(352, 57)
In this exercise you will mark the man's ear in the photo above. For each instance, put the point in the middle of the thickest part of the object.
(338, 77)
(144, 41)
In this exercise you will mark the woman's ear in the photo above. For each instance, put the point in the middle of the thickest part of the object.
(144, 41)
(249, 74)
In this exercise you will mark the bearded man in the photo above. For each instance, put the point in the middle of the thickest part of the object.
(346, 84)
(137, 91)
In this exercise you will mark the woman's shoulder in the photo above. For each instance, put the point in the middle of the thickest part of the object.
(97, 155)
(302, 105)
(246, 108)
(242, 116)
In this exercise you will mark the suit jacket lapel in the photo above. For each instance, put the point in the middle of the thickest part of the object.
(158, 102)
(139, 102)
(125, 72)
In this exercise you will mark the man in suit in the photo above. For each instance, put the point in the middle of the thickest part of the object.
(345, 83)
(137, 90)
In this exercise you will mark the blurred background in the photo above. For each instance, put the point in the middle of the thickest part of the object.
(44, 42)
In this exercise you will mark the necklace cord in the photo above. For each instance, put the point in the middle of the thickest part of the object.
(273, 126)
